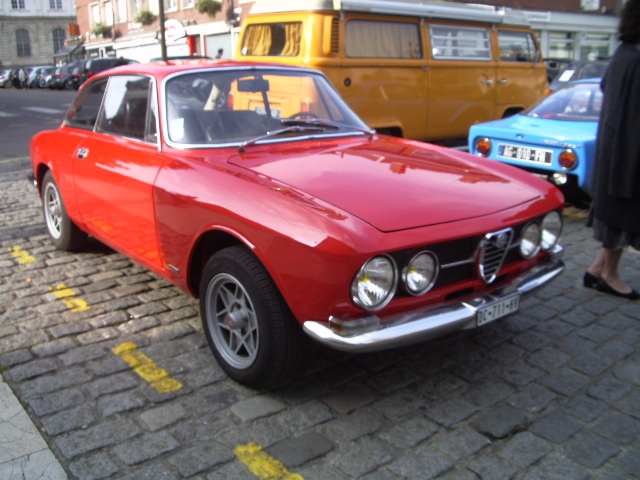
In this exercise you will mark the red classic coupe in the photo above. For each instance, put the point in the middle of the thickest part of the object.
(256, 189)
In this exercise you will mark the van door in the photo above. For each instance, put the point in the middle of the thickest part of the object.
(521, 75)
(383, 76)
(462, 79)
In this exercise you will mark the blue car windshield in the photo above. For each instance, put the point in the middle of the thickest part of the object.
(580, 102)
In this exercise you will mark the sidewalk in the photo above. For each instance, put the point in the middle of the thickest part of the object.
(23, 452)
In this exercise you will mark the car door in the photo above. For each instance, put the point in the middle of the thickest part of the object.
(116, 166)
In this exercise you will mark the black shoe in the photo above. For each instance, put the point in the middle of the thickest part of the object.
(604, 287)
(590, 281)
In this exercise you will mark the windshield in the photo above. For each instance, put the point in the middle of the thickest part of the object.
(247, 106)
(579, 102)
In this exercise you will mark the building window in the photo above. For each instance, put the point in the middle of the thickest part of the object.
(23, 43)
(170, 4)
(55, 4)
(17, 4)
(188, 3)
(561, 45)
(58, 39)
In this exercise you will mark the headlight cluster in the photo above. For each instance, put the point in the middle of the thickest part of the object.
(543, 235)
(375, 284)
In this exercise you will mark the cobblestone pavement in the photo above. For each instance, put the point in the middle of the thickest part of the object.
(551, 392)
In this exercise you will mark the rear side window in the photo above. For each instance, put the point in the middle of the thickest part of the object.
(273, 39)
(125, 111)
(372, 39)
(517, 46)
(84, 112)
(451, 42)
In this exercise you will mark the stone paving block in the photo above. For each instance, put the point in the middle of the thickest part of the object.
(145, 447)
(83, 355)
(163, 416)
(151, 472)
(68, 420)
(590, 450)
(351, 427)
(36, 368)
(138, 325)
(584, 408)
(296, 451)
(521, 374)
(422, 462)
(54, 402)
(195, 460)
(565, 382)
(489, 392)
(609, 389)
(362, 457)
(118, 403)
(490, 467)
(22, 340)
(618, 428)
(629, 372)
(629, 462)
(450, 413)
(532, 340)
(56, 381)
(109, 432)
(68, 329)
(524, 449)
(409, 433)
(15, 358)
(257, 407)
(94, 467)
(460, 443)
(348, 399)
(556, 467)
(500, 421)
(556, 427)
(549, 359)
(299, 418)
(98, 336)
(55, 347)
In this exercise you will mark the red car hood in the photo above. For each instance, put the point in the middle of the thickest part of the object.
(394, 185)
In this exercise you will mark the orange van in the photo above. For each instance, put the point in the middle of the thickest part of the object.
(417, 69)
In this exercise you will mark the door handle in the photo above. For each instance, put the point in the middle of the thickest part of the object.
(82, 153)
(488, 82)
(502, 81)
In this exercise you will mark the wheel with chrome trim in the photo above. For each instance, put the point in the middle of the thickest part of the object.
(63, 232)
(250, 329)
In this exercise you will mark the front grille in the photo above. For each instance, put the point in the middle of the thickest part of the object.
(491, 253)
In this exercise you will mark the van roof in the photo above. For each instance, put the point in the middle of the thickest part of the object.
(414, 8)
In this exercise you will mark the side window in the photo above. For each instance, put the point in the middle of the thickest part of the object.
(517, 46)
(451, 42)
(372, 39)
(84, 112)
(125, 109)
(273, 39)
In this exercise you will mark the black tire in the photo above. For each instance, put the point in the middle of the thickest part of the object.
(64, 234)
(250, 329)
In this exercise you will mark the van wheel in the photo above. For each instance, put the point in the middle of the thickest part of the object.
(250, 329)
(63, 232)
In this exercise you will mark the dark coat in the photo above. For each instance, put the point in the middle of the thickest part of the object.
(615, 185)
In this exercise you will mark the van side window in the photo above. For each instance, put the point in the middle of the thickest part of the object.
(451, 42)
(517, 46)
(273, 39)
(372, 39)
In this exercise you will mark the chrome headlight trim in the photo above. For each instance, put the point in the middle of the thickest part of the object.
(530, 240)
(375, 284)
(421, 273)
(551, 230)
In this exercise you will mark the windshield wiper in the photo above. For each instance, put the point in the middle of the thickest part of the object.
(280, 131)
(325, 124)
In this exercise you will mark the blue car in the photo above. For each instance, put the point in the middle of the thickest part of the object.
(554, 139)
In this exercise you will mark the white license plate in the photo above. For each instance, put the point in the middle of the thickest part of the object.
(497, 310)
(535, 155)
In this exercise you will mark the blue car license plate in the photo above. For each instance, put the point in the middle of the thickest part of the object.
(527, 154)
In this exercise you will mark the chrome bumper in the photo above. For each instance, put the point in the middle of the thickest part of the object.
(428, 322)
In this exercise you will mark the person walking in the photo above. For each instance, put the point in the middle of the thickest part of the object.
(615, 186)
(22, 77)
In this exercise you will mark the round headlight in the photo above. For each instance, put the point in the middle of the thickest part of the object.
(421, 273)
(483, 146)
(374, 285)
(551, 230)
(530, 241)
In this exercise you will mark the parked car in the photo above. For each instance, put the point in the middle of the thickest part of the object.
(576, 70)
(554, 139)
(41, 78)
(97, 65)
(5, 78)
(67, 76)
(255, 188)
(554, 65)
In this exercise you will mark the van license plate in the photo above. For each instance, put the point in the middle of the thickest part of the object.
(497, 310)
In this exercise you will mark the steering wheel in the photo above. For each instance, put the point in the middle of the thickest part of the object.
(303, 115)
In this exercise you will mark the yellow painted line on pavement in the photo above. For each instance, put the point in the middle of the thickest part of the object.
(15, 159)
(70, 298)
(144, 366)
(22, 256)
(263, 465)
